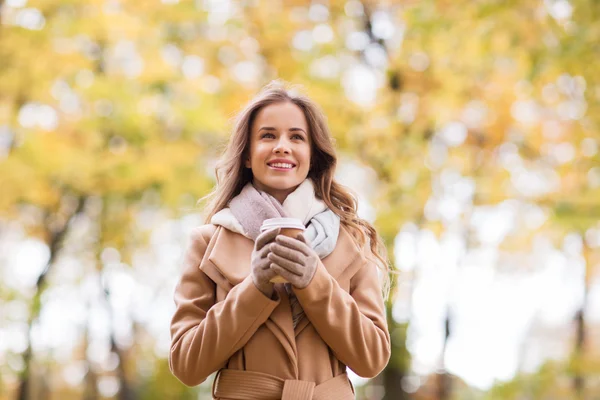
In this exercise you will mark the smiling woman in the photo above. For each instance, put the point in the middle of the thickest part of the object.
(279, 154)
(289, 340)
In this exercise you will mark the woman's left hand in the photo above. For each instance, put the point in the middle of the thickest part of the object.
(294, 260)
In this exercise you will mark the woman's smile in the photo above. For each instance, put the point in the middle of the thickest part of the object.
(281, 165)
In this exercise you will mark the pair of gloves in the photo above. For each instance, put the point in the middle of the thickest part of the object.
(274, 254)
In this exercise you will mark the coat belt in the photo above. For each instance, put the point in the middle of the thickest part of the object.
(249, 385)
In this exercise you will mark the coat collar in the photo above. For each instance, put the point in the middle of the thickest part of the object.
(227, 263)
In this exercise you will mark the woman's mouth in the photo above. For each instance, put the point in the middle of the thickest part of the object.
(281, 166)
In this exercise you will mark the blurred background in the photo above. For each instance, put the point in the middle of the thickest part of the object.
(468, 129)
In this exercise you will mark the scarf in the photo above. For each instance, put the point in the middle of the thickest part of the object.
(248, 210)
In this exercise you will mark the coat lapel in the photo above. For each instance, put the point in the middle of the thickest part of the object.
(344, 254)
(231, 255)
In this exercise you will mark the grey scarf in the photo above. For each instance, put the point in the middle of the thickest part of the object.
(251, 207)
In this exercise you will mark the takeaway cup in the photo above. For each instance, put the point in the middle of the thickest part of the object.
(289, 227)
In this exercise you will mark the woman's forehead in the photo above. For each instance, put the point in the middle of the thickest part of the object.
(281, 115)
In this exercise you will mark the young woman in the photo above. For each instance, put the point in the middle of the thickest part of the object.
(285, 340)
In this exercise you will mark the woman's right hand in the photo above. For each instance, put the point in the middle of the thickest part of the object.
(260, 263)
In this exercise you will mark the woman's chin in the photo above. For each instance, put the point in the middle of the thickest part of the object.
(282, 184)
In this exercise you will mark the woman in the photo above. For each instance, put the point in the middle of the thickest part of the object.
(292, 340)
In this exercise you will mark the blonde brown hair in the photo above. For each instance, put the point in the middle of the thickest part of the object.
(232, 175)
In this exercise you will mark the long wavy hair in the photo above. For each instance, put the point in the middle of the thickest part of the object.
(232, 175)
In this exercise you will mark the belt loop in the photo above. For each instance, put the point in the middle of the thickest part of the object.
(214, 384)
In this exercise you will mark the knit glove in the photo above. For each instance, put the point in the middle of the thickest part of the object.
(259, 263)
(293, 259)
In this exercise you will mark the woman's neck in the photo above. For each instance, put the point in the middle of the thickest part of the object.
(279, 195)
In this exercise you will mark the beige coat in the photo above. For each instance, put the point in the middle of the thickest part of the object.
(223, 321)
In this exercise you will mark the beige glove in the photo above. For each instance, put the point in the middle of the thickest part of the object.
(259, 263)
(294, 260)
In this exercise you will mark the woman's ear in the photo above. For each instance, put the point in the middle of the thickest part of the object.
(247, 163)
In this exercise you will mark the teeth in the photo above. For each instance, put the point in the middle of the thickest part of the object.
(281, 165)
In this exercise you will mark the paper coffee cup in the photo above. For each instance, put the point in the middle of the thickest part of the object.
(290, 227)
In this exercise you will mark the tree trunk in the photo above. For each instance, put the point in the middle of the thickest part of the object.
(445, 380)
(580, 333)
(578, 380)
(90, 390)
(395, 372)
(125, 390)
(56, 238)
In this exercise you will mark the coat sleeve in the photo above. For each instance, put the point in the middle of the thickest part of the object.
(352, 324)
(204, 335)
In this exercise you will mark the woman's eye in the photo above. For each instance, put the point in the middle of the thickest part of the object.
(298, 136)
(267, 135)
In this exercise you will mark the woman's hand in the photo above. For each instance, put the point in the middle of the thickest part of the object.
(293, 259)
(259, 263)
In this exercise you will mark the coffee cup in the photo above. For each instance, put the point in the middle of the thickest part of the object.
(290, 227)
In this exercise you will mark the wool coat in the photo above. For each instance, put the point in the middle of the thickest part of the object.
(222, 321)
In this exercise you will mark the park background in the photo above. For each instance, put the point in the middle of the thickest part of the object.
(469, 131)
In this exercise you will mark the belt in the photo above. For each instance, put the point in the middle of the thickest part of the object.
(249, 385)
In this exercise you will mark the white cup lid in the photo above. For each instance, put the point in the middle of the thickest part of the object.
(293, 223)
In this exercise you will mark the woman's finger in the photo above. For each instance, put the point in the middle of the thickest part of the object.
(289, 265)
(287, 253)
(301, 238)
(265, 263)
(270, 273)
(284, 273)
(266, 237)
(262, 253)
(293, 244)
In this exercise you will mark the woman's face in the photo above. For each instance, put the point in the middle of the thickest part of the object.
(280, 149)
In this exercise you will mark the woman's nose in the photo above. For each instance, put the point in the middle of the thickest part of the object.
(281, 147)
